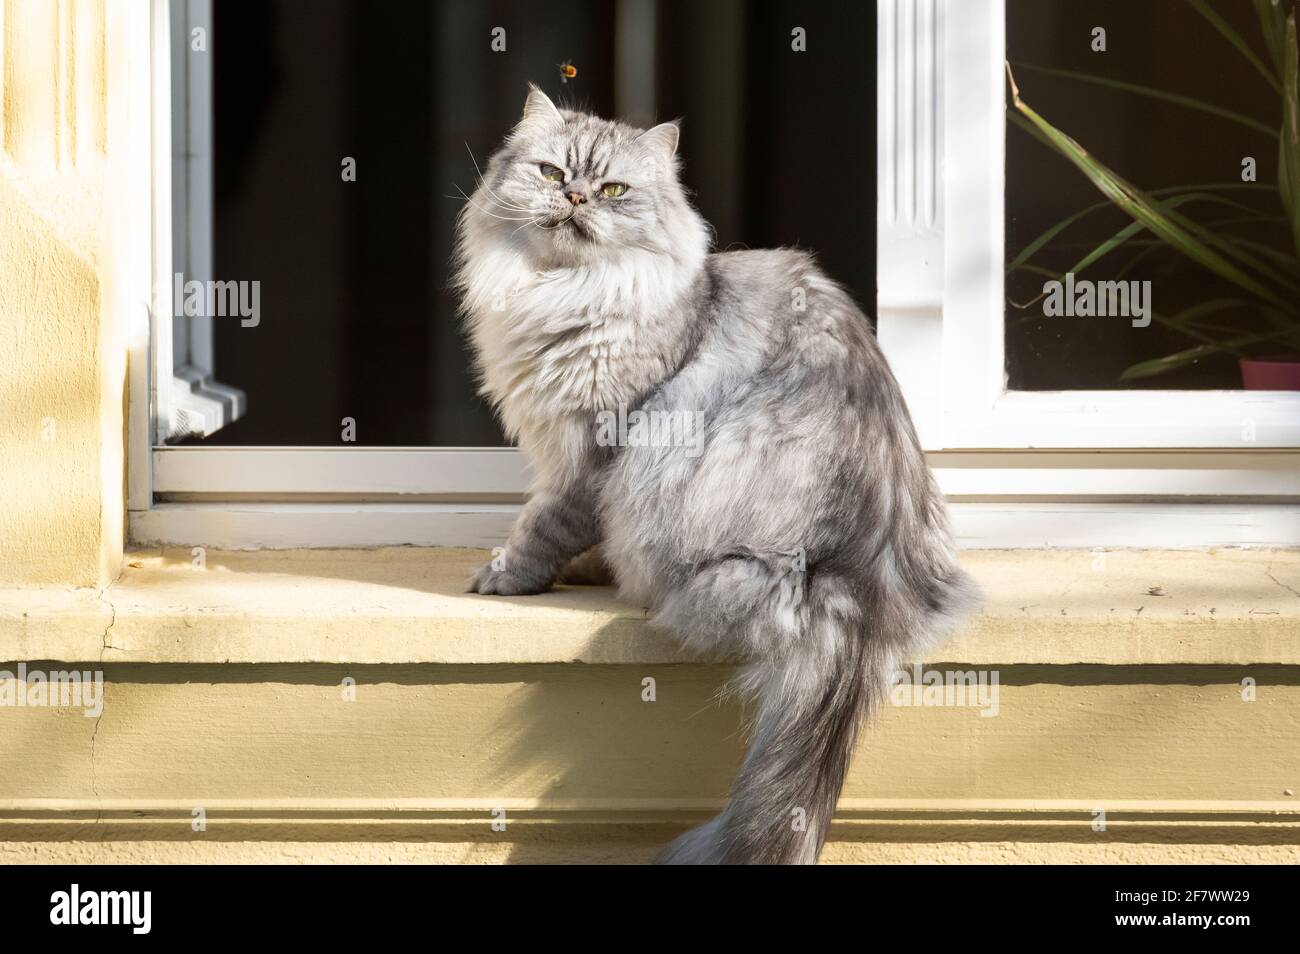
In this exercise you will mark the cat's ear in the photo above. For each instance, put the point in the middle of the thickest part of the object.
(539, 112)
(661, 141)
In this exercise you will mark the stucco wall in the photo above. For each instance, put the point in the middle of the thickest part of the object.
(62, 377)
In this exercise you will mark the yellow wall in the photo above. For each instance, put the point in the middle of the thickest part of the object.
(62, 377)
(287, 763)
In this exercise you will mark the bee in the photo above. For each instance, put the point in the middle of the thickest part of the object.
(567, 71)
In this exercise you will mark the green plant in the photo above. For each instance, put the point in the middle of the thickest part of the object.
(1264, 279)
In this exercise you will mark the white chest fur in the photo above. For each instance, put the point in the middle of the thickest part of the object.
(556, 346)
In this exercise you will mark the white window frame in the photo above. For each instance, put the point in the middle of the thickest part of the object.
(196, 403)
(942, 96)
(1059, 469)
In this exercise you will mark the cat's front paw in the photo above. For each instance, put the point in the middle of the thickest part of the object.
(490, 581)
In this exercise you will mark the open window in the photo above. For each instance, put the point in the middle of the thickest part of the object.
(323, 150)
(966, 195)
(323, 146)
(1034, 421)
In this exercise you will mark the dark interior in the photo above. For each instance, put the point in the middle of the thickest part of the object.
(356, 319)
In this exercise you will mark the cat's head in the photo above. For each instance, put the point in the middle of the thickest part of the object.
(574, 188)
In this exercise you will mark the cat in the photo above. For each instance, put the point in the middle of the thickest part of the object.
(804, 534)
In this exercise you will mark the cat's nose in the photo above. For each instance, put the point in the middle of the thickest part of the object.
(577, 198)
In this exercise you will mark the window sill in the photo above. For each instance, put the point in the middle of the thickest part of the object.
(296, 761)
(406, 605)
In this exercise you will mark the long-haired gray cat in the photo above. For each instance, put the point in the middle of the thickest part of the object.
(803, 532)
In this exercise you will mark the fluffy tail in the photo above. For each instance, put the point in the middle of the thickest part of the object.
(810, 705)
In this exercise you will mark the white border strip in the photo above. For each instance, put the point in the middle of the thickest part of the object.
(340, 470)
(1011, 475)
(978, 526)
(322, 526)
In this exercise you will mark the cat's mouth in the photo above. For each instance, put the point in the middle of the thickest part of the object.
(569, 222)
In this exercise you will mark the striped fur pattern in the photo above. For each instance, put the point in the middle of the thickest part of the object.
(807, 536)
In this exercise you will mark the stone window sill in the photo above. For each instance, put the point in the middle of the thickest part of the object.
(406, 605)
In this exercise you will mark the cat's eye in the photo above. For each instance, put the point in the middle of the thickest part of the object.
(614, 189)
(552, 173)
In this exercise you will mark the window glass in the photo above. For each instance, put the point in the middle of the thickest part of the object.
(1162, 98)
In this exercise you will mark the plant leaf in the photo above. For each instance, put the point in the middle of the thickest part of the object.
(1235, 246)
(1232, 249)
(1289, 167)
(1134, 228)
(1138, 205)
(1029, 250)
(1155, 246)
(1172, 362)
(1167, 363)
(1190, 102)
(1282, 258)
(1272, 27)
(1187, 319)
(1233, 37)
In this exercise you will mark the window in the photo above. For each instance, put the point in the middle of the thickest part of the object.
(1062, 467)
(355, 322)
(1196, 123)
(321, 147)
(943, 89)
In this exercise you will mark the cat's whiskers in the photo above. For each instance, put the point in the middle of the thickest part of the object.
(497, 200)
(550, 228)
(502, 202)
(477, 170)
(504, 218)
(479, 181)
(529, 213)
(538, 224)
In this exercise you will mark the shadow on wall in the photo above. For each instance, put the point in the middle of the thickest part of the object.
(50, 442)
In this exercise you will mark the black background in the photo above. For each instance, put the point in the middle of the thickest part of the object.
(495, 905)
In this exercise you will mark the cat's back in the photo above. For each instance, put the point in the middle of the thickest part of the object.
(782, 295)
(762, 281)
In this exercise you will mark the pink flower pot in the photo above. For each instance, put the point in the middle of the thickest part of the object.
(1271, 374)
